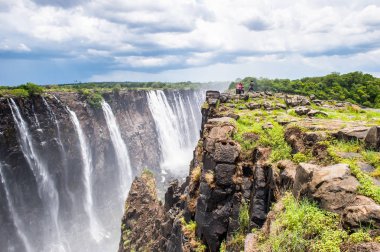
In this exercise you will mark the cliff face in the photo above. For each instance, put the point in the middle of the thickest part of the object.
(48, 196)
(261, 149)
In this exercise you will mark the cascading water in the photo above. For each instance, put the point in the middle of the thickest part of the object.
(44, 163)
(121, 151)
(61, 148)
(96, 231)
(46, 188)
(176, 137)
(18, 223)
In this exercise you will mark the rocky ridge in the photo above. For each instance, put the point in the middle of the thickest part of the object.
(257, 151)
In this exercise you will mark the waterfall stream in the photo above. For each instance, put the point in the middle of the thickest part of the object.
(46, 188)
(96, 231)
(121, 151)
(177, 134)
(66, 168)
(18, 223)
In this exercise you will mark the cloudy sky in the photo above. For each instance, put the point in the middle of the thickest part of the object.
(60, 41)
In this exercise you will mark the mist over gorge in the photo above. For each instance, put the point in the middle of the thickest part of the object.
(66, 167)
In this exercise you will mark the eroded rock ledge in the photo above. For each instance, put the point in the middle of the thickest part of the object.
(233, 182)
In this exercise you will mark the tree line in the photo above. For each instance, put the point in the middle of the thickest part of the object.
(354, 87)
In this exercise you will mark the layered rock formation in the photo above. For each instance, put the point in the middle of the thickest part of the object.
(241, 167)
(65, 172)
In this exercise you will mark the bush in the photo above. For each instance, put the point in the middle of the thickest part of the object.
(18, 92)
(33, 89)
(302, 226)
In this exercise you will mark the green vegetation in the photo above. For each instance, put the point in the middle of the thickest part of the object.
(236, 243)
(188, 230)
(270, 137)
(302, 226)
(28, 89)
(301, 157)
(355, 87)
(93, 98)
(367, 186)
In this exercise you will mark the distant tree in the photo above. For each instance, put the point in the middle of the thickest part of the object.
(33, 89)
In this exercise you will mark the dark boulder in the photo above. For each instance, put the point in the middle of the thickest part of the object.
(372, 138)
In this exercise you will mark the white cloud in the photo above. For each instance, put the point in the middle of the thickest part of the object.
(162, 35)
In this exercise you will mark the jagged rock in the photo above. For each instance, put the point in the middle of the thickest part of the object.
(174, 243)
(267, 105)
(287, 173)
(224, 97)
(262, 195)
(361, 212)
(318, 102)
(364, 247)
(267, 126)
(210, 94)
(312, 97)
(172, 195)
(349, 155)
(251, 243)
(250, 136)
(252, 106)
(140, 226)
(352, 133)
(268, 93)
(293, 101)
(233, 116)
(224, 174)
(294, 136)
(314, 112)
(226, 152)
(302, 110)
(254, 95)
(304, 174)
(335, 190)
(212, 101)
(365, 167)
(372, 138)
(280, 106)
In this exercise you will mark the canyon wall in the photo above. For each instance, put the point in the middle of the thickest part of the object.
(66, 166)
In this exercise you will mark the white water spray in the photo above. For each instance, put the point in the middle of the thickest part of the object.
(175, 133)
(97, 232)
(121, 151)
(19, 225)
(46, 188)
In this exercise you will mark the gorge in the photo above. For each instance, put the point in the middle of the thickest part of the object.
(66, 167)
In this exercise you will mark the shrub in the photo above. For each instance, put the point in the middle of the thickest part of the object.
(300, 158)
(302, 226)
(18, 92)
(33, 89)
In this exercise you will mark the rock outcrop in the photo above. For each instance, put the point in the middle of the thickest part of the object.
(231, 187)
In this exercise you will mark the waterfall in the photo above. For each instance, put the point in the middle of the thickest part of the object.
(95, 229)
(121, 151)
(19, 225)
(175, 131)
(46, 188)
(61, 147)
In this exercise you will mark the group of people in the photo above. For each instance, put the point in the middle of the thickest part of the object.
(240, 87)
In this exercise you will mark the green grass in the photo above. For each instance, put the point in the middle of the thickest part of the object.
(302, 226)
(301, 157)
(372, 158)
(273, 138)
(367, 186)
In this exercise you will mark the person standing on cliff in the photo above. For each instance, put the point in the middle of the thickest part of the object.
(241, 88)
(237, 88)
(250, 89)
